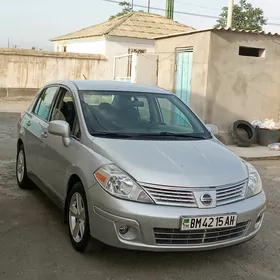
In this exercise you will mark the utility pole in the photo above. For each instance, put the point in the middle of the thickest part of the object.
(169, 9)
(8, 43)
(149, 4)
(132, 5)
(230, 13)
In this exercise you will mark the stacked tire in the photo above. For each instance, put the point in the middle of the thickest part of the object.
(243, 133)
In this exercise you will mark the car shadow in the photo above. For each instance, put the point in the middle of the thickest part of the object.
(126, 257)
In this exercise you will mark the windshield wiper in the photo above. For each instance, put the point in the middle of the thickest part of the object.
(184, 135)
(145, 135)
(111, 134)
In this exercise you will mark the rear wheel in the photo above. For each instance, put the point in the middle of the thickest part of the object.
(21, 172)
(78, 221)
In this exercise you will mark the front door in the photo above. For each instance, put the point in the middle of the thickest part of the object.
(184, 58)
(58, 158)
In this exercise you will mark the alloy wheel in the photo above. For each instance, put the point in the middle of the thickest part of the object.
(77, 217)
(20, 166)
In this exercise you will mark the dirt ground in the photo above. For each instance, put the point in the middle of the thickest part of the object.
(15, 104)
(34, 242)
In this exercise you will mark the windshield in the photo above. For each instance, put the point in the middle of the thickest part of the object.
(137, 114)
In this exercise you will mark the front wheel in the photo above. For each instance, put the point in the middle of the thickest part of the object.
(21, 172)
(78, 221)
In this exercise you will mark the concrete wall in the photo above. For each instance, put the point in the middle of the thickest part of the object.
(242, 87)
(226, 86)
(110, 46)
(145, 69)
(119, 45)
(96, 45)
(26, 69)
(13, 92)
(166, 50)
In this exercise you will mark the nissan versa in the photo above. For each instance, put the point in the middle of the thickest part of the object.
(133, 167)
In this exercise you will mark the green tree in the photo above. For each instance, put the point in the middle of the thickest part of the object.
(245, 16)
(126, 9)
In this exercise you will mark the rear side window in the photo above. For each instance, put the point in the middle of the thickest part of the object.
(43, 106)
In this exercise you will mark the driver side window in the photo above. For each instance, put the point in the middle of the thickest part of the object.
(171, 114)
(144, 111)
(65, 110)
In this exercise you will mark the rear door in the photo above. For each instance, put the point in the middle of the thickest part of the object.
(26, 130)
(37, 128)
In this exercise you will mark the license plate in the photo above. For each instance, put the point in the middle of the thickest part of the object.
(208, 222)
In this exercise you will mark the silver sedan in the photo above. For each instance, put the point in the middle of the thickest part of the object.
(132, 166)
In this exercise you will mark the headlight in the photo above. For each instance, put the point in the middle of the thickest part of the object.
(254, 181)
(116, 182)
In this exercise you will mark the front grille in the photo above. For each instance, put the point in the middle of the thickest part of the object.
(166, 236)
(175, 196)
(232, 193)
(171, 196)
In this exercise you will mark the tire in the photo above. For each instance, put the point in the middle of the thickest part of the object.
(245, 139)
(78, 223)
(21, 171)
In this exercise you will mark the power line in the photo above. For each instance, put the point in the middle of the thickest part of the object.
(199, 6)
(184, 13)
(215, 9)
(160, 9)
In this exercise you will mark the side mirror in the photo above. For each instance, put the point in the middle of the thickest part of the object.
(213, 129)
(60, 128)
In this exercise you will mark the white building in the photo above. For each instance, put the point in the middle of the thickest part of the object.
(133, 32)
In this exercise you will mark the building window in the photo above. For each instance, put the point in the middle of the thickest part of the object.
(253, 52)
(65, 48)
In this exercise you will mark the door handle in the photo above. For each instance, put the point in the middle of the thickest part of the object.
(44, 134)
(28, 123)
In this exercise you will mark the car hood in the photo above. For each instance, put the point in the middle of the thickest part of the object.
(201, 163)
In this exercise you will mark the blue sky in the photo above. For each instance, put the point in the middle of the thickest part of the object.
(30, 23)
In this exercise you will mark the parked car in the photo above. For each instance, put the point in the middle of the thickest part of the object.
(132, 166)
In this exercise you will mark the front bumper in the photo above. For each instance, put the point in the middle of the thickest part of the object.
(109, 214)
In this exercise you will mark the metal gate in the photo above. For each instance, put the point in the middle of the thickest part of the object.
(122, 68)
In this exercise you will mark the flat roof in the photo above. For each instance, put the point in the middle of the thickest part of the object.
(219, 29)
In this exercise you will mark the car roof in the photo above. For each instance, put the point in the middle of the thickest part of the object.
(111, 86)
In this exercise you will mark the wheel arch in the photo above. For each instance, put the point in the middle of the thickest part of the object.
(19, 143)
(73, 179)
